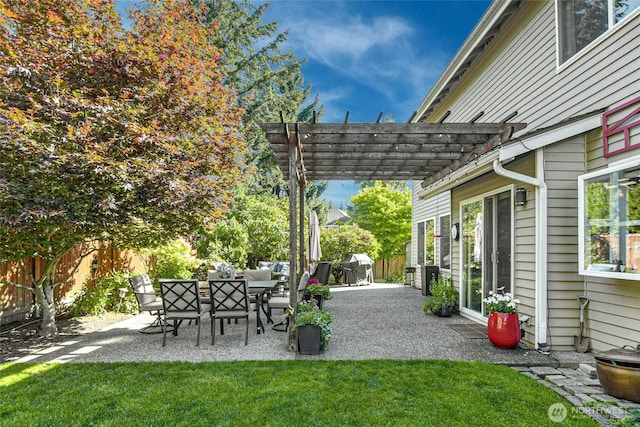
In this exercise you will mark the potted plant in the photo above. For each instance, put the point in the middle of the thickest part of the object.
(226, 270)
(503, 326)
(443, 297)
(312, 326)
(318, 292)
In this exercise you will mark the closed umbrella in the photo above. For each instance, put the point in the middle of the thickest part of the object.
(315, 252)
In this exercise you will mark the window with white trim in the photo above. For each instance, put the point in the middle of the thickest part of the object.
(426, 246)
(444, 238)
(609, 220)
(580, 22)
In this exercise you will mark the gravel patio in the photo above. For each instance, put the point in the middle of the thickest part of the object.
(378, 321)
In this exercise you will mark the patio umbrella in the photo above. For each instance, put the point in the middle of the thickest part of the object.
(315, 252)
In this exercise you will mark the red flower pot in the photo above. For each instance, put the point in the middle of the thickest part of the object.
(503, 329)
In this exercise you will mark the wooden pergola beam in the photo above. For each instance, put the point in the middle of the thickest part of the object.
(389, 151)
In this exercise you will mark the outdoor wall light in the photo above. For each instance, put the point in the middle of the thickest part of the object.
(521, 196)
(94, 265)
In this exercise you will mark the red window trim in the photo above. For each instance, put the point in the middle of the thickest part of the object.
(620, 126)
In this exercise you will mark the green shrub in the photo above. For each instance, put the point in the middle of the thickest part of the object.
(227, 242)
(395, 278)
(341, 241)
(173, 261)
(317, 289)
(310, 315)
(105, 296)
(443, 295)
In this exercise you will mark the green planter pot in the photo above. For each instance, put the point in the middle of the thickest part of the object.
(309, 339)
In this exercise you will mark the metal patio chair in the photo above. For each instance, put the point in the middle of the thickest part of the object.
(181, 301)
(229, 300)
(148, 301)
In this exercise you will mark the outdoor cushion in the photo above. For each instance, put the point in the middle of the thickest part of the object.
(256, 275)
(282, 303)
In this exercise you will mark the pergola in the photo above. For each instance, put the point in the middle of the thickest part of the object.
(373, 151)
(381, 151)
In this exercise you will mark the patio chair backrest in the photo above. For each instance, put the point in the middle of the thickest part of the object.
(260, 274)
(322, 272)
(143, 289)
(229, 295)
(180, 297)
(302, 286)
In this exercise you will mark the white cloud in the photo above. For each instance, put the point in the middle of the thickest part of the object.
(383, 53)
(340, 43)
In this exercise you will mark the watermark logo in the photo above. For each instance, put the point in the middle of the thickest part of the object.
(557, 412)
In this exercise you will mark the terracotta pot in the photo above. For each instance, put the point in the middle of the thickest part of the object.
(503, 329)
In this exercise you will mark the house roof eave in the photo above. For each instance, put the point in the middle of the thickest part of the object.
(485, 30)
(539, 138)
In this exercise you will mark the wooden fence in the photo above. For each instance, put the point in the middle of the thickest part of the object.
(383, 269)
(18, 304)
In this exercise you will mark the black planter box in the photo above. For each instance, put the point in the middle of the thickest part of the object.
(309, 339)
(319, 299)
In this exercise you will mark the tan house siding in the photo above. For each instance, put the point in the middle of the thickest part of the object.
(564, 162)
(519, 73)
(423, 212)
(613, 315)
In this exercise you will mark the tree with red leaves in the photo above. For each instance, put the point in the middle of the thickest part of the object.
(107, 134)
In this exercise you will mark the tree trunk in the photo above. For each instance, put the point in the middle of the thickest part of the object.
(44, 297)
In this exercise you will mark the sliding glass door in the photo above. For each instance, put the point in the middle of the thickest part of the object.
(486, 248)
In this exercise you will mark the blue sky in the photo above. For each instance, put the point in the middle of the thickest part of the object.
(370, 56)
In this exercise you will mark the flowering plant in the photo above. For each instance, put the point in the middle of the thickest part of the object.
(317, 289)
(226, 270)
(501, 303)
(200, 272)
(314, 281)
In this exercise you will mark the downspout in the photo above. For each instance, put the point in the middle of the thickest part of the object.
(541, 252)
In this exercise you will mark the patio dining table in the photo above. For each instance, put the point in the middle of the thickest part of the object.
(260, 288)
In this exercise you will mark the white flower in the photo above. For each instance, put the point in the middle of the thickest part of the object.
(502, 303)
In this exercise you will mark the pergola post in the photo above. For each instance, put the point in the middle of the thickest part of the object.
(293, 185)
(302, 218)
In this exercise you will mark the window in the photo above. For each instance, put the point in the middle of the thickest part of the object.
(420, 233)
(610, 221)
(426, 246)
(582, 21)
(445, 242)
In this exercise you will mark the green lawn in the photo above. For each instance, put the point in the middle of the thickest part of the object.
(286, 393)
